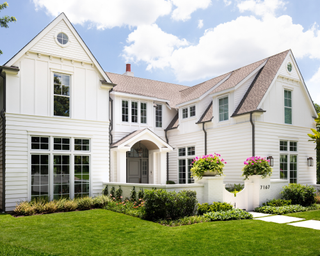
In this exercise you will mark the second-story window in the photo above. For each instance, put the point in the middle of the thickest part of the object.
(223, 109)
(125, 111)
(185, 113)
(287, 107)
(61, 91)
(143, 110)
(192, 111)
(134, 112)
(159, 115)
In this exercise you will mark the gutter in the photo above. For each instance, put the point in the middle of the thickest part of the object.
(253, 134)
(110, 134)
(167, 140)
(4, 141)
(205, 138)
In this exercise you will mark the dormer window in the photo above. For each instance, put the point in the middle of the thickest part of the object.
(189, 112)
(223, 109)
(192, 111)
(185, 113)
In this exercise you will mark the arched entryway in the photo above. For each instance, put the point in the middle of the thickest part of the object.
(138, 164)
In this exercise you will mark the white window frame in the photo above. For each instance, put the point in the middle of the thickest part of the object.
(155, 117)
(289, 153)
(195, 111)
(139, 112)
(130, 101)
(220, 98)
(186, 157)
(284, 106)
(185, 111)
(51, 152)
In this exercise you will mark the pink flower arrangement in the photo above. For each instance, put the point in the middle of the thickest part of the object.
(256, 165)
(207, 163)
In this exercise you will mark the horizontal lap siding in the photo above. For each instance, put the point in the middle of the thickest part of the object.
(268, 136)
(233, 143)
(18, 126)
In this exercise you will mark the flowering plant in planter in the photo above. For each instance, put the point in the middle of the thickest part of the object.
(207, 163)
(256, 165)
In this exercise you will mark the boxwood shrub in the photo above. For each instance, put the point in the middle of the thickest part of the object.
(277, 202)
(214, 207)
(161, 204)
(234, 214)
(299, 194)
(281, 209)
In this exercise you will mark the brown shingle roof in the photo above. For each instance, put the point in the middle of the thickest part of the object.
(174, 123)
(147, 87)
(127, 137)
(260, 85)
(207, 115)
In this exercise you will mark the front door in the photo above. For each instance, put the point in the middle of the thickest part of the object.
(134, 170)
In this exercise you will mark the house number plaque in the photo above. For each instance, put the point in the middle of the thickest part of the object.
(264, 187)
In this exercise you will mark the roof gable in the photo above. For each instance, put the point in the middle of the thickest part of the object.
(45, 43)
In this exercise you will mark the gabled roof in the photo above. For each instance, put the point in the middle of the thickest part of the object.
(207, 115)
(174, 123)
(260, 85)
(147, 87)
(41, 34)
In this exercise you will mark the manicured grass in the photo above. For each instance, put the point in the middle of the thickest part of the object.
(102, 232)
(310, 215)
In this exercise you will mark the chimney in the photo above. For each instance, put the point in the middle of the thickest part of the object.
(128, 70)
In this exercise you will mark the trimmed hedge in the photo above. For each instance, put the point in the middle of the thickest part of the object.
(235, 214)
(214, 207)
(281, 209)
(161, 204)
(277, 202)
(299, 194)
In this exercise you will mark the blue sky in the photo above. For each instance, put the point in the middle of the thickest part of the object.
(179, 41)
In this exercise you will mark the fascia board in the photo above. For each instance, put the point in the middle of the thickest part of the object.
(223, 92)
(136, 96)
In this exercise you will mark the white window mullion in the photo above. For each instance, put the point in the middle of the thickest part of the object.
(51, 169)
(71, 177)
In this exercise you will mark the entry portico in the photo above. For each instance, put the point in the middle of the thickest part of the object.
(139, 157)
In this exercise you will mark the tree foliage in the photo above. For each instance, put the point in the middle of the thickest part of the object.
(5, 19)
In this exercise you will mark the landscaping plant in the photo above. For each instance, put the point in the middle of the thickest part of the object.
(214, 207)
(281, 209)
(105, 191)
(184, 221)
(207, 163)
(235, 188)
(234, 214)
(141, 194)
(133, 194)
(119, 194)
(277, 202)
(113, 192)
(299, 194)
(256, 165)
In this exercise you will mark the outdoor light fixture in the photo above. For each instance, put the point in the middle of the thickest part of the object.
(310, 161)
(140, 150)
(271, 162)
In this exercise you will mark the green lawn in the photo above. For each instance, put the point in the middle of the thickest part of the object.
(102, 232)
(310, 215)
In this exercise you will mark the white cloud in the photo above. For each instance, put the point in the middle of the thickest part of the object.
(314, 87)
(108, 13)
(227, 2)
(150, 44)
(186, 7)
(200, 23)
(261, 8)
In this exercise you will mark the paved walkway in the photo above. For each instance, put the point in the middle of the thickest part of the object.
(298, 222)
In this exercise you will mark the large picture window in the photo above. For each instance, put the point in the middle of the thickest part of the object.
(223, 109)
(289, 160)
(287, 107)
(185, 157)
(61, 176)
(40, 177)
(61, 91)
(81, 176)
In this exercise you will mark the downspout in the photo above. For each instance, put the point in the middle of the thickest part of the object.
(3, 143)
(253, 134)
(205, 139)
(167, 140)
(110, 134)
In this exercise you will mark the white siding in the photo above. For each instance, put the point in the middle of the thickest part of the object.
(17, 152)
(47, 45)
(1, 159)
(268, 136)
(283, 69)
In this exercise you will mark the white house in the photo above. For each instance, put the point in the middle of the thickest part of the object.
(68, 127)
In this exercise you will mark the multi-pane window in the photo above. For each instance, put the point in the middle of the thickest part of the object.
(288, 160)
(185, 113)
(159, 115)
(287, 107)
(81, 144)
(186, 156)
(223, 109)
(134, 112)
(55, 168)
(192, 111)
(143, 113)
(61, 91)
(40, 177)
(40, 143)
(81, 176)
(125, 111)
(61, 177)
(61, 144)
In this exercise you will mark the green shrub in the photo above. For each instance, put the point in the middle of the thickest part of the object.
(51, 207)
(141, 194)
(277, 202)
(299, 194)
(161, 204)
(25, 208)
(184, 221)
(235, 214)
(100, 201)
(84, 203)
(119, 194)
(133, 194)
(281, 209)
(70, 205)
(113, 192)
(135, 209)
(214, 207)
(105, 191)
